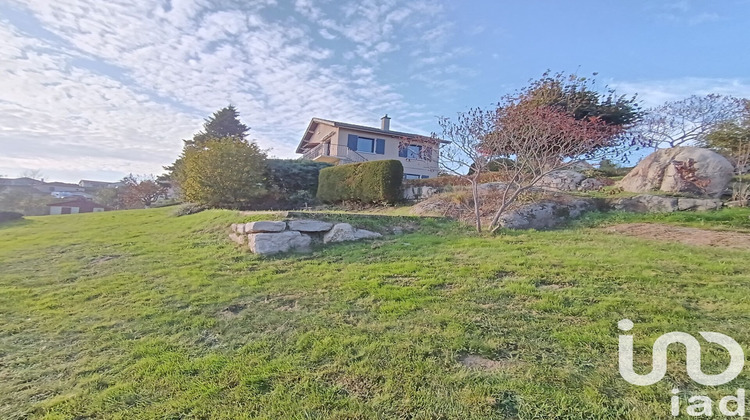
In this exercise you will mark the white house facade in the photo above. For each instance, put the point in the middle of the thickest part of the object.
(339, 143)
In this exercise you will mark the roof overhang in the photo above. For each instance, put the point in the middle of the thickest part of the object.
(311, 128)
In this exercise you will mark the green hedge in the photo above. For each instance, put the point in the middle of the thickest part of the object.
(377, 181)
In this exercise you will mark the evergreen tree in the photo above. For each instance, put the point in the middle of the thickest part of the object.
(223, 124)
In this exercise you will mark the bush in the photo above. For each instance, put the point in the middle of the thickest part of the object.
(225, 173)
(7, 216)
(367, 182)
(188, 208)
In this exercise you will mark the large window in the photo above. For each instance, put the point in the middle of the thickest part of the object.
(414, 151)
(365, 145)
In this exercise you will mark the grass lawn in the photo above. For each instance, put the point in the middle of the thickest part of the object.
(140, 314)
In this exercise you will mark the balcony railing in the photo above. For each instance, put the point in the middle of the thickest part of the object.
(345, 154)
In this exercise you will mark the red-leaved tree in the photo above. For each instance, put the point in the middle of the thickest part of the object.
(140, 192)
(531, 142)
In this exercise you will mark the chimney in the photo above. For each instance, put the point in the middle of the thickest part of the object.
(385, 123)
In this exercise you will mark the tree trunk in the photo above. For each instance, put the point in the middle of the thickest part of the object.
(475, 195)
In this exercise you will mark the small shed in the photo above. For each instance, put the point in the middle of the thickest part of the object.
(79, 205)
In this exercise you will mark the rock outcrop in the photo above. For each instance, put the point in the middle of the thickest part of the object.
(562, 180)
(645, 204)
(546, 214)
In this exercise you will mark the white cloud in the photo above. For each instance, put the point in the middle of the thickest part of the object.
(123, 81)
(656, 92)
(53, 114)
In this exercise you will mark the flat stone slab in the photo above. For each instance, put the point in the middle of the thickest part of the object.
(274, 243)
(266, 226)
(309, 225)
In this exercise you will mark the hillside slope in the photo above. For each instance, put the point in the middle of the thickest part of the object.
(140, 314)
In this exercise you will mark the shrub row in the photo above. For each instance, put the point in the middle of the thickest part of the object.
(367, 182)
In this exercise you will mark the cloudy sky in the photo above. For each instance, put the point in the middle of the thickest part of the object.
(97, 89)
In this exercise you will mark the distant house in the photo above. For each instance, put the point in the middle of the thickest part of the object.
(87, 183)
(51, 187)
(79, 205)
(338, 143)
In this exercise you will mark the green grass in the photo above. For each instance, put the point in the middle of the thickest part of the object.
(734, 219)
(142, 315)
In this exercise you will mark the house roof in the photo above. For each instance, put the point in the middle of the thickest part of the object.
(315, 121)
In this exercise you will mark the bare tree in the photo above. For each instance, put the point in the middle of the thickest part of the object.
(33, 174)
(732, 139)
(464, 156)
(687, 121)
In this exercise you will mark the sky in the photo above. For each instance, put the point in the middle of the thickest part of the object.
(93, 89)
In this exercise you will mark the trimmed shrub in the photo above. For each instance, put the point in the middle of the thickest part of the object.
(377, 181)
(7, 216)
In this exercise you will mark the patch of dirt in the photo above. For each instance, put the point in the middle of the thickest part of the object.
(476, 362)
(233, 310)
(684, 235)
(104, 258)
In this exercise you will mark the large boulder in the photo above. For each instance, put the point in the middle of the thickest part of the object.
(545, 214)
(308, 225)
(266, 226)
(273, 243)
(562, 180)
(660, 171)
(342, 232)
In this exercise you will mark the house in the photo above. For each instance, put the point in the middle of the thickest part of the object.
(79, 205)
(87, 183)
(51, 187)
(339, 143)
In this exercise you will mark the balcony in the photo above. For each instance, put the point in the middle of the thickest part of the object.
(325, 152)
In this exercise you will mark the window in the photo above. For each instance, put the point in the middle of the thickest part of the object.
(411, 176)
(414, 151)
(365, 145)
